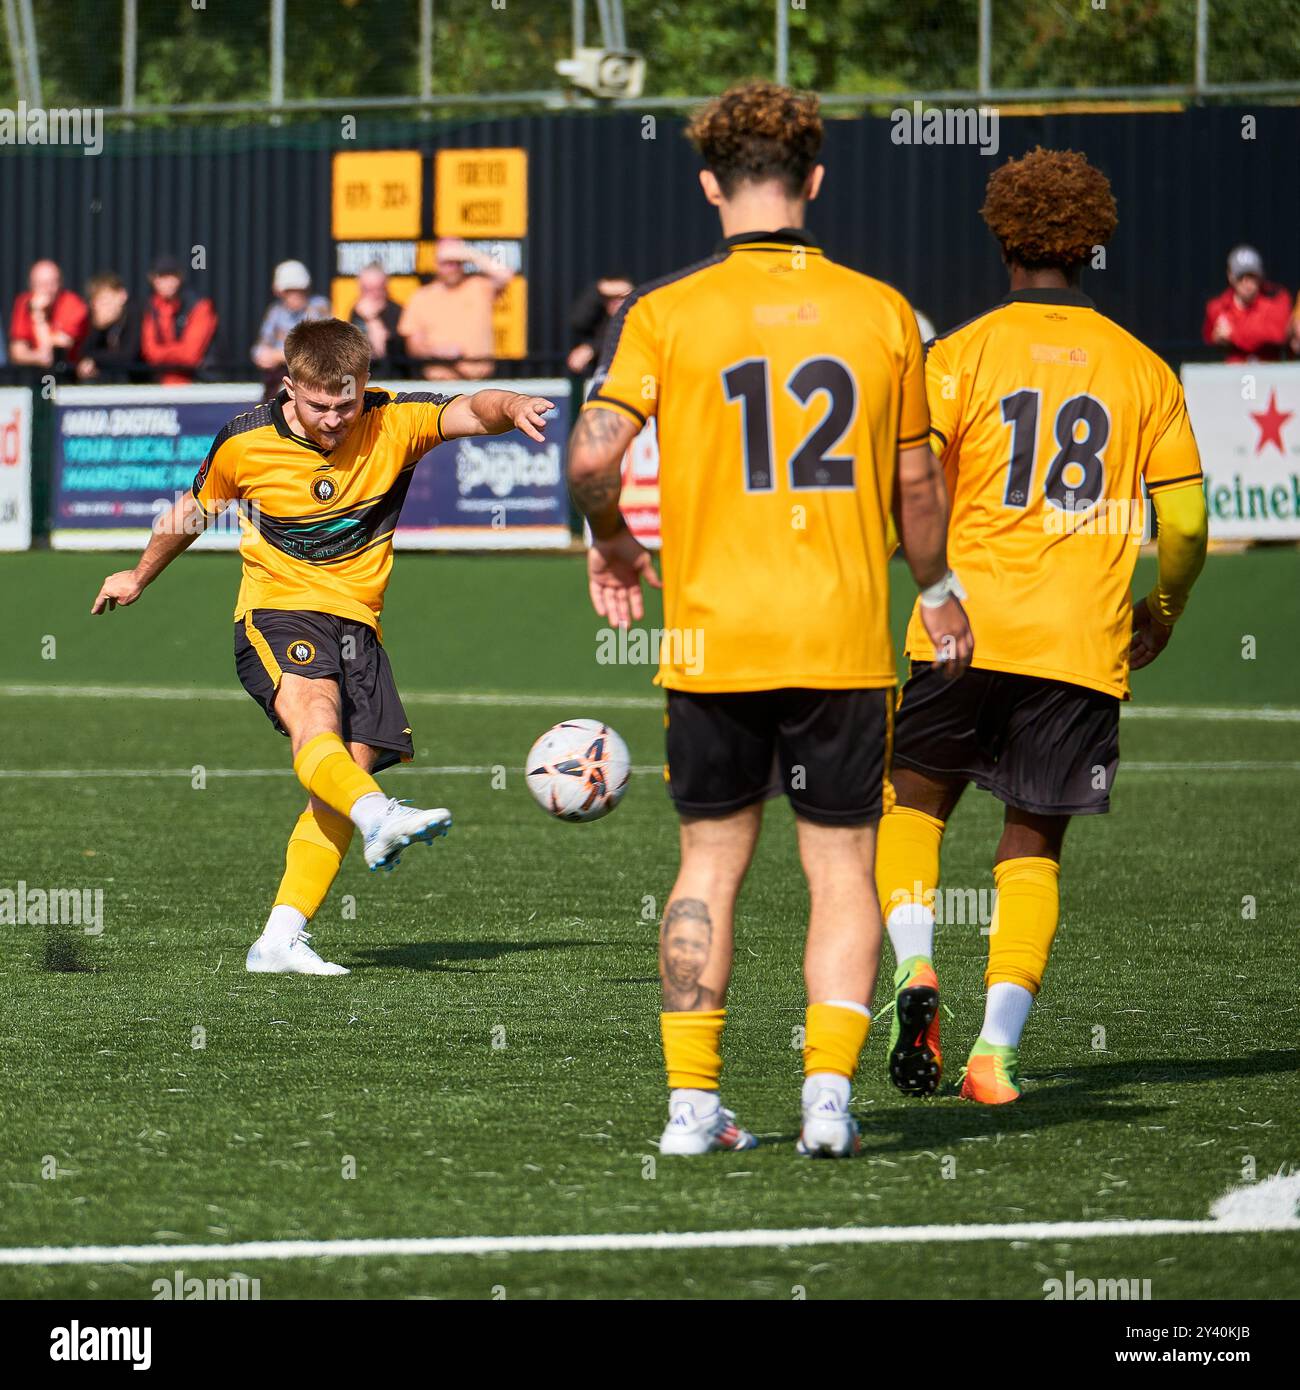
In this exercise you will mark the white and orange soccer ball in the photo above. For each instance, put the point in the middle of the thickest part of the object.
(578, 770)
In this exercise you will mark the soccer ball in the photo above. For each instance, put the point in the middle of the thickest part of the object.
(578, 770)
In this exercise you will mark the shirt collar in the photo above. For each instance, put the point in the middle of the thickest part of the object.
(767, 241)
(1073, 297)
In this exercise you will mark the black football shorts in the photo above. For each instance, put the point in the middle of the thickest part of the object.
(1040, 745)
(827, 750)
(270, 642)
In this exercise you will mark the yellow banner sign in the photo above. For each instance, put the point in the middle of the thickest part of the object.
(481, 193)
(377, 195)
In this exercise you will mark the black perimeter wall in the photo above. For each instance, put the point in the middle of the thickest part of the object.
(604, 197)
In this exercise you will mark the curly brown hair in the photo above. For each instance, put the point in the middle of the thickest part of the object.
(1050, 209)
(759, 131)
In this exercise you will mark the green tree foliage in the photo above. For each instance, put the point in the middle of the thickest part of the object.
(217, 50)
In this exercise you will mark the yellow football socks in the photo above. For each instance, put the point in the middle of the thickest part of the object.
(833, 1039)
(325, 767)
(319, 841)
(693, 1048)
(1024, 921)
(907, 858)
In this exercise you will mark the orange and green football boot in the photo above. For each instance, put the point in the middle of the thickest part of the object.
(991, 1075)
(915, 1062)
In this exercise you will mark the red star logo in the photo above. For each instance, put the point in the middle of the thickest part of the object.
(1270, 423)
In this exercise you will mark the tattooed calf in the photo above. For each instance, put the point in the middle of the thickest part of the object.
(685, 942)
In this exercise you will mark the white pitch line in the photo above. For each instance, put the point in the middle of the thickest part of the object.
(49, 774)
(656, 1240)
(1268, 714)
(71, 773)
(503, 699)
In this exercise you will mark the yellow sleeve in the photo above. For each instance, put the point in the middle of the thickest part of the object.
(417, 417)
(1173, 457)
(214, 484)
(914, 411)
(1180, 547)
(941, 391)
(627, 379)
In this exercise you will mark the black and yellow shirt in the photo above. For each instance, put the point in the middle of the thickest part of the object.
(317, 528)
(783, 386)
(1048, 416)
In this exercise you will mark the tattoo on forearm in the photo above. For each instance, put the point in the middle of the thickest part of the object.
(596, 493)
(685, 946)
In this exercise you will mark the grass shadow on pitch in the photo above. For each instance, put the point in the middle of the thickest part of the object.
(451, 956)
(1166, 1071)
(1065, 1096)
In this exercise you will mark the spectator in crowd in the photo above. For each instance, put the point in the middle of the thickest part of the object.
(1252, 317)
(293, 303)
(378, 316)
(49, 324)
(178, 327)
(447, 323)
(112, 351)
(590, 317)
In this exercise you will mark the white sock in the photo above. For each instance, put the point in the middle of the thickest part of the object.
(850, 1004)
(911, 931)
(1005, 1014)
(821, 1081)
(283, 924)
(368, 810)
(704, 1103)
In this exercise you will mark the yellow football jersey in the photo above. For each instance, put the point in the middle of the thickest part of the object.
(783, 386)
(316, 527)
(1047, 416)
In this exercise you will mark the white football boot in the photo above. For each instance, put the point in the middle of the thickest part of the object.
(403, 825)
(829, 1131)
(291, 956)
(689, 1133)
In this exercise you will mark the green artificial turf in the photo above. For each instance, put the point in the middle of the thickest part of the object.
(491, 1066)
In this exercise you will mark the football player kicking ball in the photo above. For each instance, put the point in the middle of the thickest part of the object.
(1048, 418)
(320, 474)
(790, 401)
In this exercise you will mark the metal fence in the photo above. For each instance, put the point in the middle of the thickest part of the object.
(859, 53)
(604, 198)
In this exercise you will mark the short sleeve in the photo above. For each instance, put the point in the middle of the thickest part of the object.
(941, 392)
(627, 379)
(914, 412)
(214, 484)
(1173, 456)
(416, 418)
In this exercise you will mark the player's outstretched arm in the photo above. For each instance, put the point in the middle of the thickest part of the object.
(921, 515)
(173, 532)
(1181, 542)
(494, 412)
(617, 562)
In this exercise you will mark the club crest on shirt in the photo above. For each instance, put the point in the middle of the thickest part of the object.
(323, 489)
(301, 652)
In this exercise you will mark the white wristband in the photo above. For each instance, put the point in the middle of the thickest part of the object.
(939, 593)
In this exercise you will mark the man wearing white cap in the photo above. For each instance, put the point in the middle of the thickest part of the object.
(293, 303)
(1251, 318)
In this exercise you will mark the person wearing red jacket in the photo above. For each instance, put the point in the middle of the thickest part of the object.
(178, 328)
(49, 324)
(1251, 318)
